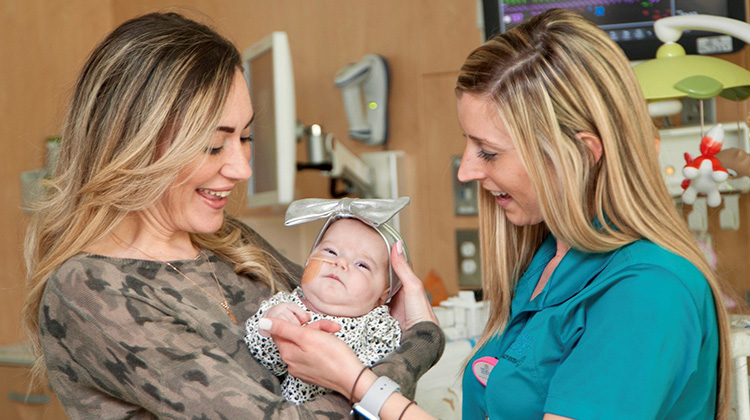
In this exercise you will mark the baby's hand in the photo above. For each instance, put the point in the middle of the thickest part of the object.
(288, 312)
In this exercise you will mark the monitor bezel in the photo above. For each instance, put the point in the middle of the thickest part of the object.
(285, 119)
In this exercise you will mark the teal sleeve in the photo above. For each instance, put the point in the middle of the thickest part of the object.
(641, 340)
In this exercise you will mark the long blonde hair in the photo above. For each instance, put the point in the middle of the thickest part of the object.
(551, 78)
(145, 104)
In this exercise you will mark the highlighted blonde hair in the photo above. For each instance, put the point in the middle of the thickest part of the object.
(551, 78)
(146, 103)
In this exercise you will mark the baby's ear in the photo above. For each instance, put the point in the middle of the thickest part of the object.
(384, 296)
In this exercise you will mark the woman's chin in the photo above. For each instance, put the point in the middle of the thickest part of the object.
(208, 225)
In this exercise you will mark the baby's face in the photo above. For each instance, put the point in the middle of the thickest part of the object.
(347, 272)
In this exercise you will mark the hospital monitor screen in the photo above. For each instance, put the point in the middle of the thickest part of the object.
(628, 22)
(268, 69)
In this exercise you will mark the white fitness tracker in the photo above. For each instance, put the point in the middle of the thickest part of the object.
(375, 398)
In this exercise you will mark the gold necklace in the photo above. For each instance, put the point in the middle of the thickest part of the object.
(223, 303)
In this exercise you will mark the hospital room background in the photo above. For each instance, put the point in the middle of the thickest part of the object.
(423, 43)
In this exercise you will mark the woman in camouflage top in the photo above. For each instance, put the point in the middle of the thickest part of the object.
(137, 275)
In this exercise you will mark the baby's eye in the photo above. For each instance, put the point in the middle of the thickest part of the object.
(330, 252)
(363, 265)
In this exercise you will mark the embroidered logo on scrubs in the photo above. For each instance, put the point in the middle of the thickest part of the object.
(482, 368)
(516, 354)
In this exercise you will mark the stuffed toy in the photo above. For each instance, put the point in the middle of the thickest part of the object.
(704, 173)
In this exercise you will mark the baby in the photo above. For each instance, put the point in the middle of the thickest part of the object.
(347, 279)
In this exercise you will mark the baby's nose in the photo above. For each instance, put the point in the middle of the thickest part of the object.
(342, 263)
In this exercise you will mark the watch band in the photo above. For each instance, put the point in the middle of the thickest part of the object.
(375, 398)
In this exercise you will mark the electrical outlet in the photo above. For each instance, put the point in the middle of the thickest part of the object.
(464, 193)
(469, 264)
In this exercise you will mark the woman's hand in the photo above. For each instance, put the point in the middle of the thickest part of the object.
(410, 304)
(314, 354)
(735, 159)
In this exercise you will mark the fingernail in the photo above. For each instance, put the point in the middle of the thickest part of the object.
(264, 324)
(399, 247)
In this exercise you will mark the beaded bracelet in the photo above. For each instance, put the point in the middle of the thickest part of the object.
(404, 410)
(351, 394)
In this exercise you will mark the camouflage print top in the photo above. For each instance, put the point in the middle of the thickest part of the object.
(132, 339)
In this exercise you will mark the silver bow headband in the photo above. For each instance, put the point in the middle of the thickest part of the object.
(371, 211)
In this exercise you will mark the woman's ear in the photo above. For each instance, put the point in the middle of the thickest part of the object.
(166, 140)
(593, 142)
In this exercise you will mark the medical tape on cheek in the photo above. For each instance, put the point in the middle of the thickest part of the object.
(312, 269)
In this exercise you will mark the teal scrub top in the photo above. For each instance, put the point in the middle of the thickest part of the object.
(627, 334)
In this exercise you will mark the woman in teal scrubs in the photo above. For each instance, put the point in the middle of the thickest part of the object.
(602, 306)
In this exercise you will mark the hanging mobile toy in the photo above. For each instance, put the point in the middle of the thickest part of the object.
(705, 173)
